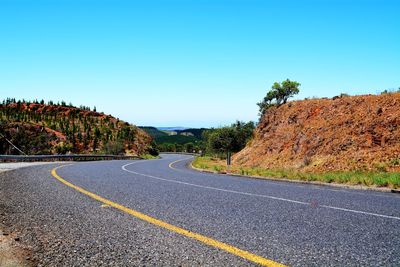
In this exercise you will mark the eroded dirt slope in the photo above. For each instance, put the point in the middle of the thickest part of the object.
(343, 133)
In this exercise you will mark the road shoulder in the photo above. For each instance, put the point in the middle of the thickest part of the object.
(9, 166)
(12, 252)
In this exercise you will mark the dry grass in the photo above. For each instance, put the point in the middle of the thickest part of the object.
(372, 179)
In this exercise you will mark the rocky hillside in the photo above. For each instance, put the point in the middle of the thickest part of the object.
(343, 133)
(39, 128)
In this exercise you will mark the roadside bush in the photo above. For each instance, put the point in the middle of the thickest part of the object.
(381, 167)
(217, 168)
(114, 148)
(152, 149)
(63, 148)
(395, 162)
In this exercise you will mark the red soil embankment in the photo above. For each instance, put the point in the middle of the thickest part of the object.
(343, 133)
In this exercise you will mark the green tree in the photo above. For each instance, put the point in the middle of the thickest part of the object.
(80, 136)
(244, 132)
(279, 94)
(189, 147)
(222, 140)
(230, 138)
(95, 143)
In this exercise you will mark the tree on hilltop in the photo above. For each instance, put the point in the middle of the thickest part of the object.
(279, 94)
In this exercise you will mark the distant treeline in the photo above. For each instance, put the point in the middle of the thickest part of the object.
(8, 101)
(214, 141)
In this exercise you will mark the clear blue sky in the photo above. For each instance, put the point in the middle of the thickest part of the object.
(194, 62)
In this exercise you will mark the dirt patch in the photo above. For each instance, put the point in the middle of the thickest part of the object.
(12, 252)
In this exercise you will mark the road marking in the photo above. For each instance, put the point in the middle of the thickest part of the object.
(204, 239)
(210, 187)
(256, 195)
(176, 161)
(361, 212)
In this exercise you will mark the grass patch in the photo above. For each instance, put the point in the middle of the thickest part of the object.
(379, 178)
(148, 156)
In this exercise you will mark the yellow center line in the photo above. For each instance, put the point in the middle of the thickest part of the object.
(204, 239)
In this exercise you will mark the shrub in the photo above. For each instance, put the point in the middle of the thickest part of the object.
(63, 148)
(114, 148)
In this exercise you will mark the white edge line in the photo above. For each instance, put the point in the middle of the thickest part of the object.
(255, 195)
(176, 161)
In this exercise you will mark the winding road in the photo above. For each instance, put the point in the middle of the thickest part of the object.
(162, 213)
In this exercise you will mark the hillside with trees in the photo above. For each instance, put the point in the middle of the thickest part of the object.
(177, 140)
(36, 127)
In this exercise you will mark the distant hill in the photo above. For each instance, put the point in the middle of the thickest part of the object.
(175, 128)
(198, 133)
(39, 128)
(174, 136)
(153, 131)
(174, 139)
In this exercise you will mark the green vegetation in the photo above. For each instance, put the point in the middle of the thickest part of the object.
(214, 141)
(176, 139)
(379, 179)
(279, 94)
(390, 91)
(150, 156)
(232, 138)
(179, 144)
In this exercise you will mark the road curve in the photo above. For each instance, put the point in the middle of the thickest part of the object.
(280, 222)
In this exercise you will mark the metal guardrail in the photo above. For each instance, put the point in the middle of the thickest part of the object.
(75, 157)
(181, 153)
(18, 158)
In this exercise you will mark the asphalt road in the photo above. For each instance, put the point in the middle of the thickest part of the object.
(287, 223)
